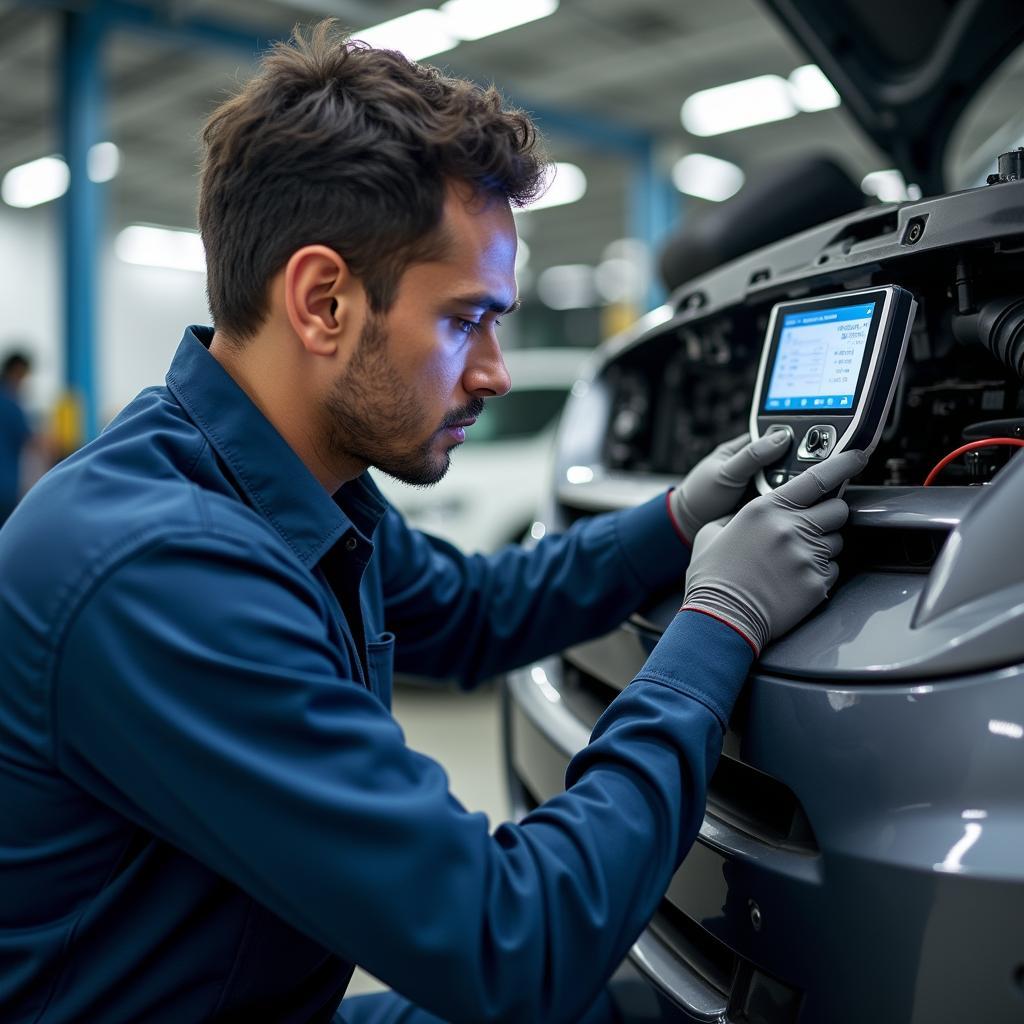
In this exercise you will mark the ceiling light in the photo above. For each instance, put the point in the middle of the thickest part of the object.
(889, 186)
(811, 90)
(150, 246)
(569, 286)
(727, 108)
(564, 183)
(634, 249)
(621, 280)
(103, 162)
(707, 177)
(417, 35)
(474, 19)
(43, 180)
(36, 182)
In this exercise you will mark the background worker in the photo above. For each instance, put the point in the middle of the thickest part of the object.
(15, 431)
(211, 814)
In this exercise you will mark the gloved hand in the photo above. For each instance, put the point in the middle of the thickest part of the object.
(714, 486)
(773, 562)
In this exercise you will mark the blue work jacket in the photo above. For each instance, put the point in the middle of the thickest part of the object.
(208, 812)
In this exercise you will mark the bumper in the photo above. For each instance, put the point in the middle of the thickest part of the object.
(860, 858)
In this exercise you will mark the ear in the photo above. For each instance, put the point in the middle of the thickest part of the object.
(323, 300)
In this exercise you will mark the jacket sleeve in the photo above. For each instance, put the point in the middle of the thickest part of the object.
(469, 617)
(196, 692)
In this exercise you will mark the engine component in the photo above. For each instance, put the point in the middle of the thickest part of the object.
(999, 326)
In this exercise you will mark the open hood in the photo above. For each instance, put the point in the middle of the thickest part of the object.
(906, 71)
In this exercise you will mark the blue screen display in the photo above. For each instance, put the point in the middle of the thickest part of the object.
(818, 359)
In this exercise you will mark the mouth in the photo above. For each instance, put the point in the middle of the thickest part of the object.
(457, 431)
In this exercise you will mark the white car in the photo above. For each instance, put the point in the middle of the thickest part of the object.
(490, 494)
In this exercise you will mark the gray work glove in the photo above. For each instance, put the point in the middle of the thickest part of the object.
(773, 563)
(714, 486)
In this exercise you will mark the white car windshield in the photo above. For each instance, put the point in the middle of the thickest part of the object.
(518, 415)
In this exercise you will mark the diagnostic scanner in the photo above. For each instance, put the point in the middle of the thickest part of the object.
(828, 374)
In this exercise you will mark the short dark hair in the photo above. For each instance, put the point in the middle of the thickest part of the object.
(15, 361)
(335, 143)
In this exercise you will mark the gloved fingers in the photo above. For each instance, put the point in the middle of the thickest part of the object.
(749, 458)
(732, 446)
(809, 487)
(823, 553)
(831, 576)
(831, 545)
(827, 516)
(706, 536)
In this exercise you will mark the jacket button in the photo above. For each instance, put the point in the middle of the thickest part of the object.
(351, 544)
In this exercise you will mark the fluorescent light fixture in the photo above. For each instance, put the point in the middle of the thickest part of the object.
(760, 100)
(38, 181)
(888, 185)
(103, 162)
(727, 108)
(43, 180)
(569, 286)
(419, 34)
(563, 183)
(811, 90)
(171, 248)
(635, 249)
(707, 177)
(624, 273)
(474, 19)
(621, 280)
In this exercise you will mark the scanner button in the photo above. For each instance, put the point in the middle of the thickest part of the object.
(815, 439)
(781, 428)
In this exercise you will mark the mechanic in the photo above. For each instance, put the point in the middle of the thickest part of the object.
(209, 812)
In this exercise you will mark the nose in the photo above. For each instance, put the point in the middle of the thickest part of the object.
(486, 375)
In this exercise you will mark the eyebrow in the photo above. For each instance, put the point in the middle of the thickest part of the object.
(489, 303)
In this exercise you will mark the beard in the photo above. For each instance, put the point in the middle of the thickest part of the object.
(365, 419)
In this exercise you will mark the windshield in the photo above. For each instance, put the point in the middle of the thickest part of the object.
(519, 414)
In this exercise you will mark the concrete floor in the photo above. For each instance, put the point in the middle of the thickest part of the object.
(462, 731)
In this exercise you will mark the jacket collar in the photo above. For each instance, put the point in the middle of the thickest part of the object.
(276, 482)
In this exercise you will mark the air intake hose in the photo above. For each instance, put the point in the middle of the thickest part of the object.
(999, 326)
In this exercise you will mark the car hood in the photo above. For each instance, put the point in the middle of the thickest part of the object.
(906, 71)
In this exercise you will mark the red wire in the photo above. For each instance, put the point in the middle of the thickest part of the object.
(1016, 442)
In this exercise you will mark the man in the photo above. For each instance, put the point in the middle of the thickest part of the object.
(209, 812)
(14, 430)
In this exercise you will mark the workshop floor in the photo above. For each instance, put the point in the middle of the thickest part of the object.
(462, 731)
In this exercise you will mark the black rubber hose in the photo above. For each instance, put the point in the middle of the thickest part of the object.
(999, 326)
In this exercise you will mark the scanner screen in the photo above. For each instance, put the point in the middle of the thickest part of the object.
(818, 359)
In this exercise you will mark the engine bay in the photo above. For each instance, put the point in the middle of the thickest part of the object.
(685, 385)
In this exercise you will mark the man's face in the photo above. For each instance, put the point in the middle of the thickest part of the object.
(15, 377)
(421, 372)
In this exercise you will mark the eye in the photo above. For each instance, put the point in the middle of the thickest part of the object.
(471, 327)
